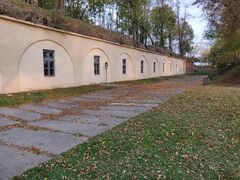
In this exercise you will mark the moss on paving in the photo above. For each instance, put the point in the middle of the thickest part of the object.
(194, 135)
(39, 96)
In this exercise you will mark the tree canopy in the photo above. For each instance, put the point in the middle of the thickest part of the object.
(224, 30)
(149, 22)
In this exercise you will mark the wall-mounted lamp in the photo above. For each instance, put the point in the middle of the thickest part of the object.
(106, 65)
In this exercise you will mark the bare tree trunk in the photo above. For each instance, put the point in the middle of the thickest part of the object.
(58, 11)
(135, 23)
(162, 39)
(40, 3)
(170, 41)
(135, 33)
(181, 23)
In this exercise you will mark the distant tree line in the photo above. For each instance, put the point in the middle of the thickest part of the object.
(148, 22)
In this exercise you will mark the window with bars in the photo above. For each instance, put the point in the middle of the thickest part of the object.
(124, 66)
(142, 67)
(154, 67)
(97, 65)
(49, 63)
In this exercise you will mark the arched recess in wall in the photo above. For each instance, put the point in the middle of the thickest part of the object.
(181, 67)
(154, 69)
(124, 69)
(142, 68)
(171, 67)
(93, 69)
(31, 67)
(176, 68)
(164, 67)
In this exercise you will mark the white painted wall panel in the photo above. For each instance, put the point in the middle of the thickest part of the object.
(21, 58)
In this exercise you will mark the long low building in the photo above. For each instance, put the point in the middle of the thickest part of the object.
(36, 57)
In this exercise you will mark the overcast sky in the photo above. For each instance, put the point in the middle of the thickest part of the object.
(196, 18)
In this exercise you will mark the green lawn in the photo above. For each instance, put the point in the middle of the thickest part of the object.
(39, 96)
(194, 135)
(209, 71)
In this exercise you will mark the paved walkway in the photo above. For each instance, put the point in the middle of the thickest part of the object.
(33, 133)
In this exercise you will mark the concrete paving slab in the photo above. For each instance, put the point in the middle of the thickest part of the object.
(6, 122)
(147, 101)
(73, 128)
(125, 108)
(98, 96)
(105, 94)
(91, 119)
(105, 113)
(67, 118)
(52, 142)
(60, 105)
(90, 99)
(70, 102)
(13, 161)
(82, 118)
(126, 103)
(19, 113)
(115, 122)
(40, 109)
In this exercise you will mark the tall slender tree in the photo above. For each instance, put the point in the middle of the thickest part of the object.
(58, 12)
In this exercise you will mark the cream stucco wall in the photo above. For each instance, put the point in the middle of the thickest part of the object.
(30, 70)
(21, 61)
(118, 75)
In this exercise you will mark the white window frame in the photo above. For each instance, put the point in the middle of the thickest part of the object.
(142, 67)
(96, 65)
(124, 66)
(49, 63)
(154, 67)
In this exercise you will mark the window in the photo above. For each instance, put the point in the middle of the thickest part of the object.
(124, 66)
(49, 63)
(142, 67)
(163, 67)
(96, 65)
(170, 67)
(154, 67)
